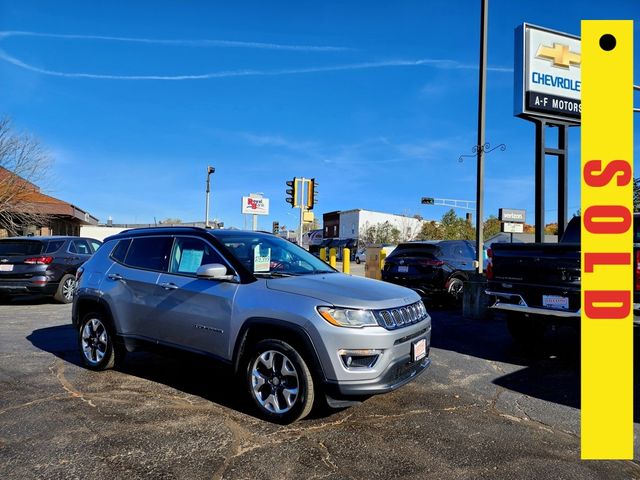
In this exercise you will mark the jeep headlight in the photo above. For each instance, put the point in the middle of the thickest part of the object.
(347, 317)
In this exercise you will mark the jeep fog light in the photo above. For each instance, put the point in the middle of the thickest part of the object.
(359, 358)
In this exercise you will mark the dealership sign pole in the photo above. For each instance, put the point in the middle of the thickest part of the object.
(547, 92)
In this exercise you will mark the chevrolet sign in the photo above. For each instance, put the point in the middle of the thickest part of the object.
(547, 74)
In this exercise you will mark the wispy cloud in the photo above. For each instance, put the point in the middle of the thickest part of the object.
(178, 42)
(437, 63)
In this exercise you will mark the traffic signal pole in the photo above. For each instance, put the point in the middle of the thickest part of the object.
(301, 191)
(305, 201)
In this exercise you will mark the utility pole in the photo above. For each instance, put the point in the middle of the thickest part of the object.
(210, 170)
(302, 196)
(482, 77)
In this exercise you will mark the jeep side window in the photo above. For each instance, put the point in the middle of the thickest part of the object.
(120, 252)
(189, 253)
(150, 253)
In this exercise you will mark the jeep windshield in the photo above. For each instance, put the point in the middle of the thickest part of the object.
(270, 256)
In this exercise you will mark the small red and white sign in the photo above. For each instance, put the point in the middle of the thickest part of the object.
(255, 206)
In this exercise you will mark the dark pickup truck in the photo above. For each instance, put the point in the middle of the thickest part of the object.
(538, 284)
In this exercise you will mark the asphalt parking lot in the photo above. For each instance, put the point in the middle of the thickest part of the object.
(483, 410)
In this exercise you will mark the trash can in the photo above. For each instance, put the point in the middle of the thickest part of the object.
(475, 302)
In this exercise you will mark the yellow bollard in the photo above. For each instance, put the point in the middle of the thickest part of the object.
(383, 255)
(332, 257)
(346, 260)
(323, 254)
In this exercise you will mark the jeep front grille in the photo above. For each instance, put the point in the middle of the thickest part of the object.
(394, 318)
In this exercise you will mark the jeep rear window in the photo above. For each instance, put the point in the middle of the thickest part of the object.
(150, 253)
(20, 247)
(120, 252)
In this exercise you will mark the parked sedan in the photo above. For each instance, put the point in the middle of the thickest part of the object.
(438, 267)
(43, 265)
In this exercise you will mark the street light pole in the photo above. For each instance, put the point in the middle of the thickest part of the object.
(482, 77)
(210, 170)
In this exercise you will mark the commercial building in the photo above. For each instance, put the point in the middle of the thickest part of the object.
(354, 223)
(34, 213)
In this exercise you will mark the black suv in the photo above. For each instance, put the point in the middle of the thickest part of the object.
(432, 267)
(43, 265)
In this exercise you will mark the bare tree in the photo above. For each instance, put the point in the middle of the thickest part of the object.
(410, 227)
(379, 234)
(23, 163)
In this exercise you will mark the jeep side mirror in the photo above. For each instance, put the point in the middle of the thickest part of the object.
(214, 271)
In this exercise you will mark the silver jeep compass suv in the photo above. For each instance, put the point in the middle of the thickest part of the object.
(290, 326)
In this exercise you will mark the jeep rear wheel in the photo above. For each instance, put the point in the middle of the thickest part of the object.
(96, 342)
(278, 381)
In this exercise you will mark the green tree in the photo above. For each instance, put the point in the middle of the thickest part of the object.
(491, 227)
(456, 228)
(430, 231)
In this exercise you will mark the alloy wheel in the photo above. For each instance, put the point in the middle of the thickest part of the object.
(95, 340)
(455, 288)
(274, 382)
(68, 288)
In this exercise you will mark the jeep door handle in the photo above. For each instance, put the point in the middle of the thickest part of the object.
(169, 286)
(115, 276)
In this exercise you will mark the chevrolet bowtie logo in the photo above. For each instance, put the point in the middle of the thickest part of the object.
(559, 54)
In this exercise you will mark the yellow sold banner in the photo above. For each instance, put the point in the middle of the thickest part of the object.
(608, 263)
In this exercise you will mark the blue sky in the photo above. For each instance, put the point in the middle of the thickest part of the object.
(376, 100)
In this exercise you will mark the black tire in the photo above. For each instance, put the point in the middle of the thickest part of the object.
(358, 260)
(455, 290)
(527, 331)
(270, 386)
(67, 285)
(96, 342)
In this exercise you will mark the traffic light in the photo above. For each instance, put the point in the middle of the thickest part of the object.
(311, 194)
(427, 201)
(276, 227)
(292, 192)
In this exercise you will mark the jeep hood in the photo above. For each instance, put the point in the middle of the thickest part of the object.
(346, 291)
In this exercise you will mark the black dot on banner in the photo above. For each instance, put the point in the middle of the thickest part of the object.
(607, 42)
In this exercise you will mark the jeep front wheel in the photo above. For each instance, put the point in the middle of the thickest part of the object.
(279, 382)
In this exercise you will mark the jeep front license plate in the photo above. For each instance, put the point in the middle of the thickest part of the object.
(419, 350)
(555, 301)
